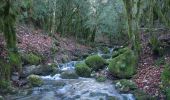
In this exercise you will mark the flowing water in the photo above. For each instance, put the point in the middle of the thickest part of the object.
(55, 88)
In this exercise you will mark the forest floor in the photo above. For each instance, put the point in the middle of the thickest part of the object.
(147, 76)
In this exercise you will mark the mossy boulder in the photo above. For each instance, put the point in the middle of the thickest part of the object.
(124, 65)
(125, 85)
(95, 62)
(100, 78)
(83, 70)
(35, 80)
(69, 75)
(31, 59)
(165, 76)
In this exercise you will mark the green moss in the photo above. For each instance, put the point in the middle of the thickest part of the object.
(165, 76)
(125, 85)
(167, 93)
(83, 70)
(5, 70)
(141, 95)
(69, 75)
(15, 59)
(4, 84)
(35, 80)
(32, 59)
(95, 62)
(124, 65)
(111, 98)
(105, 50)
(101, 78)
(120, 51)
(160, 61)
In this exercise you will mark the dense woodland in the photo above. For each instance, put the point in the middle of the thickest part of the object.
(47, 33)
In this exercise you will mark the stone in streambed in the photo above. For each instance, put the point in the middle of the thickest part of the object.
(83, 70)
(95, 62)
(35, 80)
(39, 70)
(69, 75)
(124, 65)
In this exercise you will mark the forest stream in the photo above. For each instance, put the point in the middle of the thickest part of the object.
(56, 88)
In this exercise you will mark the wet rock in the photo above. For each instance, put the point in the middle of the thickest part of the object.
(38, 70)
(112, 98)
(69, 75)
(35, 80)
(15, 76)
(100, 78)
(96, 94)
(65, 58)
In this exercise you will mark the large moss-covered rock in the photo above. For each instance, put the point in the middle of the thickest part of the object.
(125, 85)
(124, 65)
(39, 70)
(95, 62)
(31, 59)
(83, 70)
(165, 76)
(69, 75)
(35, 80)
(100, 78)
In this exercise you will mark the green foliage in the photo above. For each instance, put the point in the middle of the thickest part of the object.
(31, 59)
(5, 70)
(125, 85)
(156, 45)
(141, 95)
(105, 50)
(35, 80)
(124, 65)
(83, 70)
(160, 61)
(4, 84)
(8, 12)
(167, 92)
(120, 51)
(95, 62)
(165, 76)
